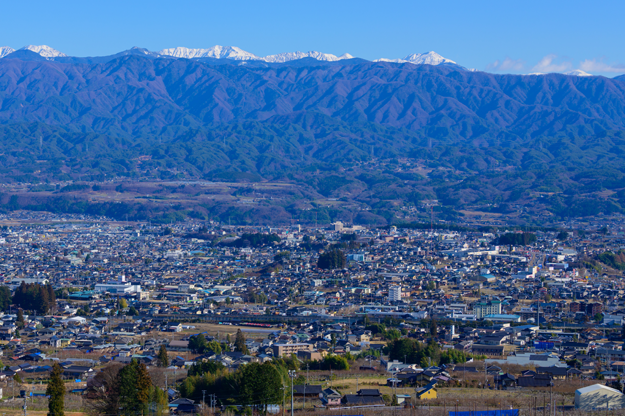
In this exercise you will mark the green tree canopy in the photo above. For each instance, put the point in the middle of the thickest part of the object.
(333, 259)
(239, 342)
(163, 359)
(56, 392)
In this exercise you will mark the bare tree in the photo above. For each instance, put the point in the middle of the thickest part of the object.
(103, 392)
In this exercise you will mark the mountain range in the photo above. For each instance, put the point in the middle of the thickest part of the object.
(215, 53)
(478, 137)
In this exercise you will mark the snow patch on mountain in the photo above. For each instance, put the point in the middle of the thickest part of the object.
(44, 50)
(292, 56)
(217, 52)
(5, 50)
(578, 73)
(427, 58)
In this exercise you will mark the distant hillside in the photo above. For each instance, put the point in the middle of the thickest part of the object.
(478, 138)
(132, 96)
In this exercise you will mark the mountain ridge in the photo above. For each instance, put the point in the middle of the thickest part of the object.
(459, 105)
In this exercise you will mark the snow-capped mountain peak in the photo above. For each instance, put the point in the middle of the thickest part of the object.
(428, 58)
(217, 52)
(5, 50)
(291, 56)
(44, 50)
(578, 73)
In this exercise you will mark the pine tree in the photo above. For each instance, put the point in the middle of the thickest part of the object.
(56, 392)
(5, 297)
(163, 359)
(134, 388)
(20, 319)
(239, 342)
(433, 327)
(127, 382)
(51, 297)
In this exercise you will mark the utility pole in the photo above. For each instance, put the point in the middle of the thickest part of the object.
(283, 391)
(292, 375)
(203, 399)
(485, 376)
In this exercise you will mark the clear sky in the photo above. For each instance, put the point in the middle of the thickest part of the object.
(498, 36)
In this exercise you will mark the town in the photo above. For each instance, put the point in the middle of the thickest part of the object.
(221, 318)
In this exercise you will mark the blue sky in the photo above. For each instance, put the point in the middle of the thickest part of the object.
(498, 36)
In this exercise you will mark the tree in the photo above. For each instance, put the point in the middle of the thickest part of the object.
(134, 388)
(20, 319)
(34, 297)
(163, 359)
(202, 367)
(562, 236)
(5, 298)
(333, 259)
(433, 328)
(103, 391)
(239, 342)
(56, 392)
(132, 311)
(260, 384)
(123, 304)
(197, 343)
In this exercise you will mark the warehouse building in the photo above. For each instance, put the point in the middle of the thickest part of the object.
(597, 397)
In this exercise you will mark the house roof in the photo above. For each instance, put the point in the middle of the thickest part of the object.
(307, 389)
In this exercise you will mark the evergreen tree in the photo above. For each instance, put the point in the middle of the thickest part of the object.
(56, 392)
(239, 342)
(20, 319)
(144, 385)
(333, 259)
(159, 398)
(127, 383)
(134, 388)
(34, 297)
(197, 343)
(163, 359)
(433, 327)
(5, 298)
(51, 297)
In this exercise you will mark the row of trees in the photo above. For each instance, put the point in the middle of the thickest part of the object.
(32, 297)
(253, 240)
(415, 352)
(333, 259)
(200, 345)
(253, 384)
(516, 239)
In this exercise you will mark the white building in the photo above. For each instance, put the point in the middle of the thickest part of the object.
(121, 286)
(394, 293)
(17, 281)
(598, 397)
